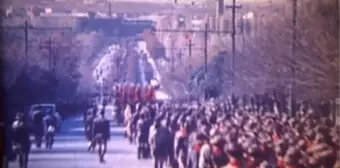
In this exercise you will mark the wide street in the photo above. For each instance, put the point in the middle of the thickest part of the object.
(70, 151)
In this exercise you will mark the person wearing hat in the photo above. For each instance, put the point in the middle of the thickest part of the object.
(21, 140)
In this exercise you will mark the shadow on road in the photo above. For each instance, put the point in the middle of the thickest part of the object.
(81, 133)
(78, 150)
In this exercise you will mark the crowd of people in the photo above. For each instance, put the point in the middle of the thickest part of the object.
(230, 133)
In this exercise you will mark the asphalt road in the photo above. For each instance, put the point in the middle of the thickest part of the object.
(70, 151)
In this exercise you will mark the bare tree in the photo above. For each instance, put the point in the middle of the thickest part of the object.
(267, 57)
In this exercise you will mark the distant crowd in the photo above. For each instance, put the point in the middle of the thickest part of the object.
(232, 133)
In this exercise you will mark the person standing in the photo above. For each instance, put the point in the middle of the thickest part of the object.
(88, 131)
(50, 123)
(101, 133)
(160, 140)
(38, 127)
(21, 140)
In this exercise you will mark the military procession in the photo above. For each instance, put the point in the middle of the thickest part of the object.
(134, 93)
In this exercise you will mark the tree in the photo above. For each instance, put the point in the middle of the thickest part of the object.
(267, 59)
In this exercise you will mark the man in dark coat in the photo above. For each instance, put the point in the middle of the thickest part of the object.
(101, 133)
(161, 145)
(21, 140)
(88, 131)
(37, 118)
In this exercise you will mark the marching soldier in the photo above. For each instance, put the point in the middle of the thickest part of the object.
(131, 97)
(118, 101)
(150, 93)
(101, 133)
(126, 88)
(144, 90)
(117, 92)
(137, 93)
(132, 93)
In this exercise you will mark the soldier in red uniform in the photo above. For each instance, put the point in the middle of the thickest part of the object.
(117, 92)
(132, 94)
(118, 88)
(150, 93)
(126, 87)
(137, 93)
(144, 93)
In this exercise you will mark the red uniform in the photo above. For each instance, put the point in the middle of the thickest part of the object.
(151, 94)
(125, 96)
(117, 92)
(132, 93)
(137, 93)
(144, 93)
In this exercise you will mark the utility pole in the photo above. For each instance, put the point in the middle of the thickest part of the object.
(52, 62)
(190, 47)
(293, 71)
(205, 58)
(26, 46)
(233, 40)
(110, 10)
(27, 27)
(49, 53)
(219, 13)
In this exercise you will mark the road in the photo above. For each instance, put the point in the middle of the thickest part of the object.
(70, 151)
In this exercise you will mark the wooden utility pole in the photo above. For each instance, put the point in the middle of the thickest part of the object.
(110, 10)
(49, 42)
(190, 48)
(26, 46)
(233, 40)
(293, 70)
(52, 62)
(26, 27)
(233, 33)
(206, 58)
(219, 13)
